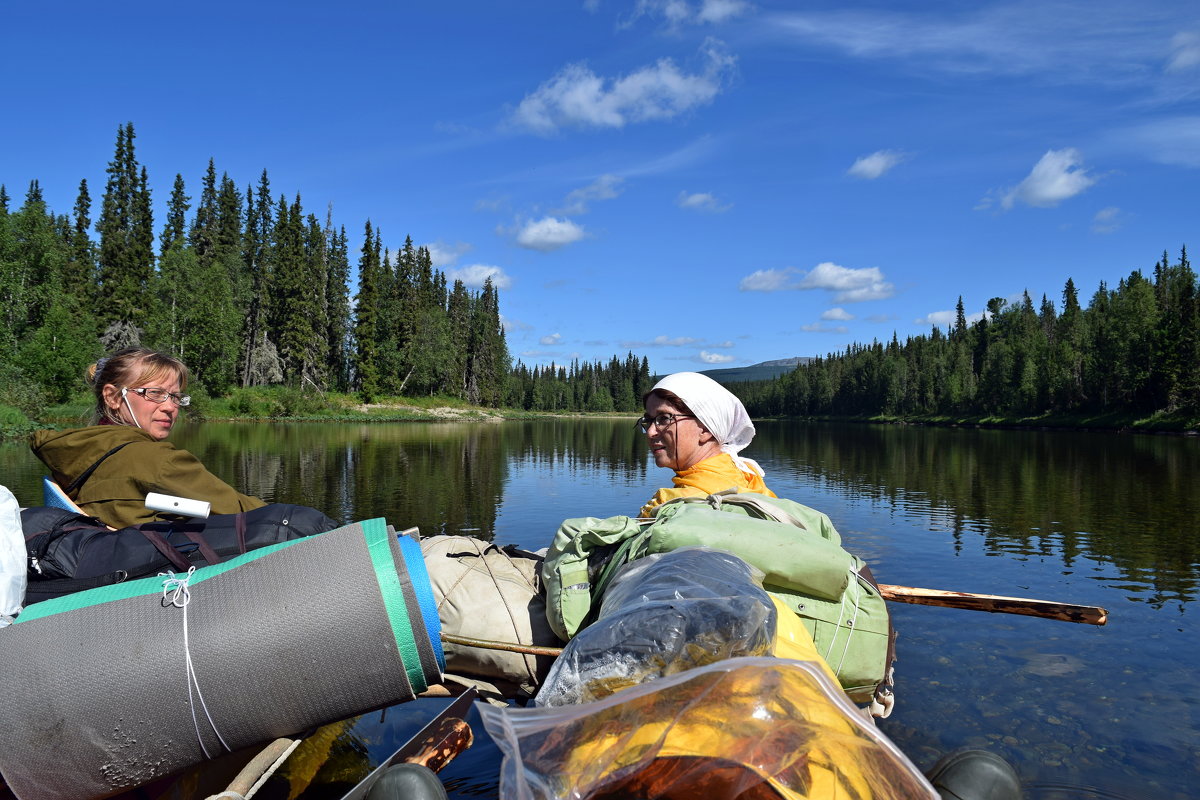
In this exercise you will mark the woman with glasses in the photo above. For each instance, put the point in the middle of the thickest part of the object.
(109, 467)
(697, 427)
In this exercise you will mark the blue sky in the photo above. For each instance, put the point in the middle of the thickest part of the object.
(706, 182)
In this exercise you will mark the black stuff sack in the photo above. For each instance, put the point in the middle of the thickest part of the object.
(71, 552)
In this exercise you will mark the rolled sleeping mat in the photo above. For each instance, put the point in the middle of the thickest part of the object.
(117, 686)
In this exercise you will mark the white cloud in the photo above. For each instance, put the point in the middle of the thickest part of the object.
(495, 203)
(1185, 54)
(577, 97)
(509, 324)
(838, 314)
(715, 358)
(701, 201)
(1059, 175)
(549, 233)
(851, 285)
(770, 280)
(681, 12)
(1173, 140)
(476, 274)
(720, 10)
(817, 327)
(606, 187)
(1057, 41)
(662, 341)
(725, 343)
(551, 340)
(447, 255)
(946, 319)
(1107, 220)
(943, 319)
(875, 165)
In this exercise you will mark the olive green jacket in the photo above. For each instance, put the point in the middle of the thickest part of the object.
(116, 492)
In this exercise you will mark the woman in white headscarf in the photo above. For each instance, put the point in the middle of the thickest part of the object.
(697, 427)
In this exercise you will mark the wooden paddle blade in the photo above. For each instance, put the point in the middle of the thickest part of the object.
(443, 744)
(1047, 609)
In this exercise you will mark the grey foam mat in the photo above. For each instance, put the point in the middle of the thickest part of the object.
(98, 696)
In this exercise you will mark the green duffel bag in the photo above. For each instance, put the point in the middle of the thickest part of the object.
(796, 547)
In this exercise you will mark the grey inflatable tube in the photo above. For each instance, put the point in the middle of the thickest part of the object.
(111, 688)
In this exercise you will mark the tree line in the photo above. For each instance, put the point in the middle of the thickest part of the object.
(615, 386)
(1134, 348)
(247, 288)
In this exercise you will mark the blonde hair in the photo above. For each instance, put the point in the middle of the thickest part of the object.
(133, 366)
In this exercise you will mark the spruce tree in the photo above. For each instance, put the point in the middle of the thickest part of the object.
(337, 298)
(203, 235)
(126, 237)
(176, 223)
(459, 315)
(366, 318)
(79, 276)
(258, 248)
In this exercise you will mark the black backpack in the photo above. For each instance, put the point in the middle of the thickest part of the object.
(70, 552)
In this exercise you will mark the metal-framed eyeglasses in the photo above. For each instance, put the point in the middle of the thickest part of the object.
(157, 395)
(660, 421)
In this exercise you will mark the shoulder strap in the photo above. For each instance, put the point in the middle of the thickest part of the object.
(87, 473)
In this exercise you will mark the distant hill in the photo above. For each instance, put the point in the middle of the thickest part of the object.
(763, 371)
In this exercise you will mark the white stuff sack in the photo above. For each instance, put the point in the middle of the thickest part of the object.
(12, 558)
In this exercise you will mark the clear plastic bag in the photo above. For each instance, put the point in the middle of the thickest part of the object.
(664, 614)
(748, 728)
(12, 558)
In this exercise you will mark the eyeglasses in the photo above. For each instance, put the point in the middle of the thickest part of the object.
(155, 395)
(660, 421)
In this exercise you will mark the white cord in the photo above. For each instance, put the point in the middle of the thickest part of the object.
(852, 625)
(125, 397)
(177, 593)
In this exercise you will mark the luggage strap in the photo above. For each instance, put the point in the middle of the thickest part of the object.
(170, 553)
(87, 473)
(164, 547)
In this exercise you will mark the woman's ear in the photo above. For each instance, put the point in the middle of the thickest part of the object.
(706, 436)
(112, 396)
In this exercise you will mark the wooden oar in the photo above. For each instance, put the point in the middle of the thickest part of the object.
(512, 647)
(1048, 609)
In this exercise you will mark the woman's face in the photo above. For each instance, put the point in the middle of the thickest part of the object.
(681, 443)
(156, 419)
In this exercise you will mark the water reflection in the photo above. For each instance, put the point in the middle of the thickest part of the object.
(1100, 519)
(1126, 501)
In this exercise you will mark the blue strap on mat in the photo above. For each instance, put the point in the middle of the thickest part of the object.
(414, 563)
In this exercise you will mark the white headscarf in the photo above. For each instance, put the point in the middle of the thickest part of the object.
(718, 410)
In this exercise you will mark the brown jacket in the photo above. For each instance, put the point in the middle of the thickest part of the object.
(116, 492)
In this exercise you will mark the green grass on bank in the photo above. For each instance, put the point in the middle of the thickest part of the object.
(14, 423)
(286, 403)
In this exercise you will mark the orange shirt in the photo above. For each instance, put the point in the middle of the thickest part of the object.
(714, 474)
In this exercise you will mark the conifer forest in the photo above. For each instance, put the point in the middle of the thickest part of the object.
(251, 289)
(1135, 349)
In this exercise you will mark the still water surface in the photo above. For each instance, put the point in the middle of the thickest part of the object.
(1098, 519)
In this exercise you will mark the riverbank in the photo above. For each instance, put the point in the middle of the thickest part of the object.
(286, 404)
(273, 404)
(1179, 424)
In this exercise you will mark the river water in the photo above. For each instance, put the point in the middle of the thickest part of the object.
(1092, 518)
